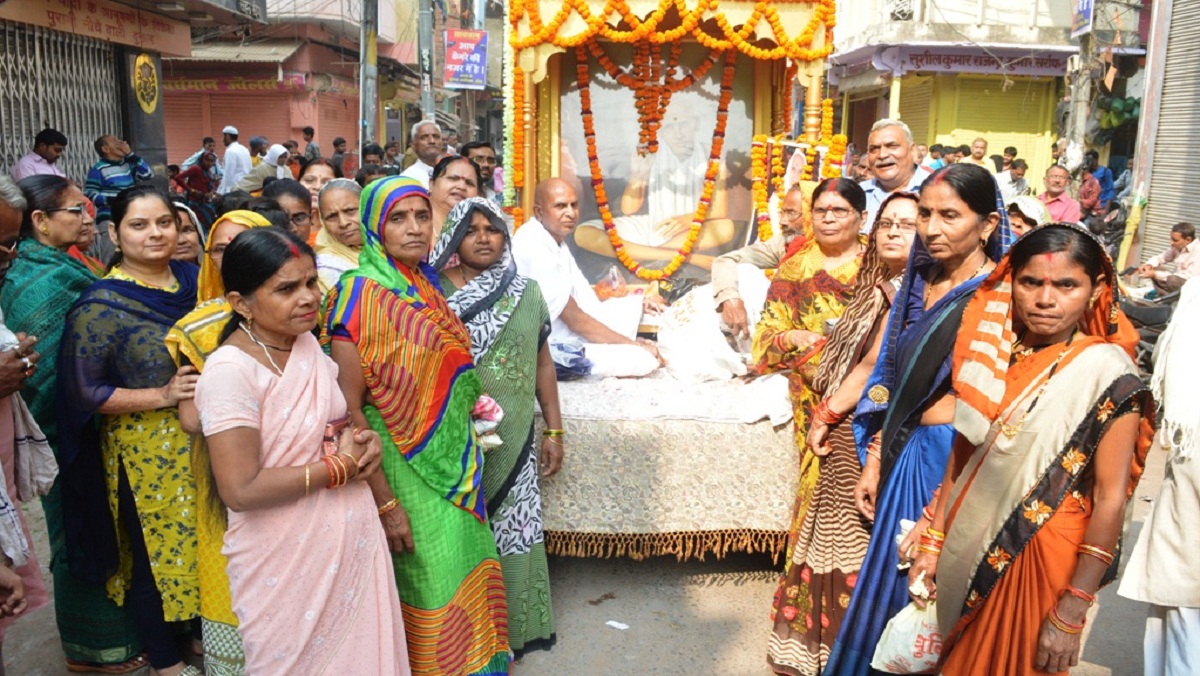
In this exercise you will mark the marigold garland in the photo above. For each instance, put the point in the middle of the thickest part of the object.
(789, 86)
(777, 168)
(797, 48)
(758, 187)
(710, 176)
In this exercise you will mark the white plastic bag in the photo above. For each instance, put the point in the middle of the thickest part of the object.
(911, 643)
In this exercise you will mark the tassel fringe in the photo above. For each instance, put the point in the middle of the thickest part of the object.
(684, 546)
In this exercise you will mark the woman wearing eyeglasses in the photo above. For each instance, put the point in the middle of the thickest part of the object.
(41, 286)
(811, 287)
(826, 547)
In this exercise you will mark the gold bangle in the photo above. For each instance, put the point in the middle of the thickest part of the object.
(389, 506)
(353, 463)
(307, 479)
(556, 440)
(553, 433)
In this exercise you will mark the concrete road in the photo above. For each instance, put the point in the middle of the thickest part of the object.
(671, 618)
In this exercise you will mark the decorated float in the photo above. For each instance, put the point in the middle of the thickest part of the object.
(674, 121)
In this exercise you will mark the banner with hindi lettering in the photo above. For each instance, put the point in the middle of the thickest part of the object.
(466, 59)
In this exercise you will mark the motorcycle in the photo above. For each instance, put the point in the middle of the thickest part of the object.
(1150, 317)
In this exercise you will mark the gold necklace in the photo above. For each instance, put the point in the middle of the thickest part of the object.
(929, 286)
(1009, 430)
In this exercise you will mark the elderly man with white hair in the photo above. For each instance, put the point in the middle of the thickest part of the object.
(426, 139)
(22, 443)
(892, 163)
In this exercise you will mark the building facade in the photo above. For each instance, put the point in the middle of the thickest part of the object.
(94, 68)
(955, 71)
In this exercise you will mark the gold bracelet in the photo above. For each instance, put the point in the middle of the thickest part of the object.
(389, 506)
(556, 440)
(307, 479)
(553, 433)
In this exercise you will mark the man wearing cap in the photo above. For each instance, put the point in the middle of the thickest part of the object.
(237, 159)
(269, 168)
(1026, 212)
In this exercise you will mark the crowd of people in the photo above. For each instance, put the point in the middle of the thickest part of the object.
(304, 446)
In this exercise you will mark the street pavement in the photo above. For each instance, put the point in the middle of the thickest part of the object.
(662, 617)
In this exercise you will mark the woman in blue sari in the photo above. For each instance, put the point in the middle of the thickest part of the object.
(903, 422)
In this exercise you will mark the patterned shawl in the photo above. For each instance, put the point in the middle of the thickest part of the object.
(210, 285)
(846, 340)
(1036, 425)
(984, 348)
(477, 303)
(40, 287)
(917, 339)
(415, 353)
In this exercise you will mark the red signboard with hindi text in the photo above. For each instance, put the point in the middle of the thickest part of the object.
(466, 59)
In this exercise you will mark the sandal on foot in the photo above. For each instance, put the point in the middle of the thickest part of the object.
(128, 666)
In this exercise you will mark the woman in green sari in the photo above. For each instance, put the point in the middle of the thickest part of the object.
(405, 367)
(44, 281)
(509, 323)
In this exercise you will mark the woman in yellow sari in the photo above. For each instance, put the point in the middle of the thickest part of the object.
(811, 287)
(190, 342)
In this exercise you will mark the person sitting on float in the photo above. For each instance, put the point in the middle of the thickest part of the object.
(764, 255)
(541, 253)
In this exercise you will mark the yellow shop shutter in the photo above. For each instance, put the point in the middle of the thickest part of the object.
(916, 102)
(1018, 117)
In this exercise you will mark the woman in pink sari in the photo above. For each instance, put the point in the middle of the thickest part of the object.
(309, 568)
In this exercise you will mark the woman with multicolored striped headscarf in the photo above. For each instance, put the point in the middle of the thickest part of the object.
(406, 370)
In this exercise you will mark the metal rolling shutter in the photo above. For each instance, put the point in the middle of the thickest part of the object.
(53, 79)
(257, 114)
(916, 102)
(1172, 177)
(185, 125)
(338, 116)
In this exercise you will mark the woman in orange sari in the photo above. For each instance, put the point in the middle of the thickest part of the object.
(1053, 424)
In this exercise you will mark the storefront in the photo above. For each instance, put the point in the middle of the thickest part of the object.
(952, 95)
(273, 88)
(1167, 139)
(70, 66)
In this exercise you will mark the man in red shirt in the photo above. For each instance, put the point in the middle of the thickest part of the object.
(1062, 208)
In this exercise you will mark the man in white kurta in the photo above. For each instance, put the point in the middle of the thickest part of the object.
(541, 254)
(1162, 568)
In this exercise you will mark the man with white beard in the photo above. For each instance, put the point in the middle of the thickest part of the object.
(764, 255)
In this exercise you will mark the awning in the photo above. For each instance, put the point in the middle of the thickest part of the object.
(270, 51)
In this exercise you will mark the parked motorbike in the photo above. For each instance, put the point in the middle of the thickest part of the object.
(1150, 317)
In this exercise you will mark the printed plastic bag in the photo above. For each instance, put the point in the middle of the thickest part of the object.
(911, 643)
(611, 285)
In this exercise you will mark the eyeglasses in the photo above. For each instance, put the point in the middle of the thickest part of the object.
(838, 212)
(300, 218)
(905, 226)
(76, 210)
(790, 214)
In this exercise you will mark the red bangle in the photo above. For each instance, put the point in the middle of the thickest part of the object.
(1075, 628)
(332, 471)
(826, 415)
(1080, 594)
(928, 515)
(781, 343)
